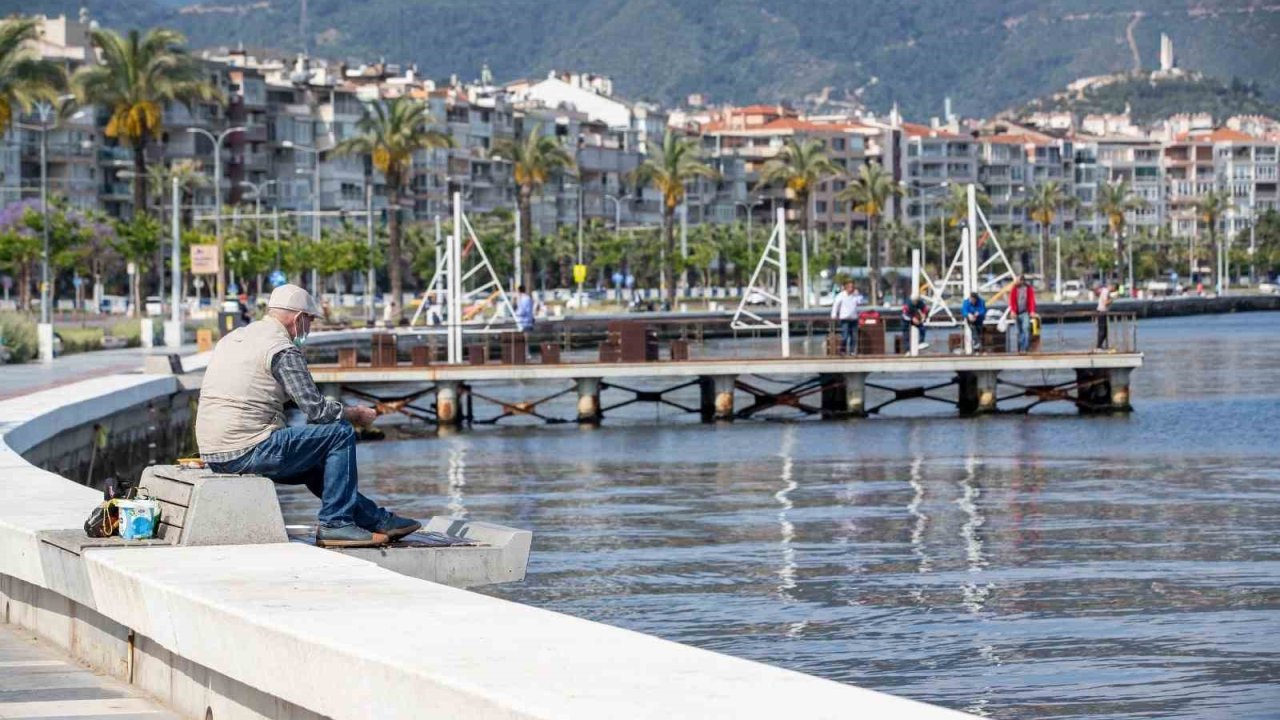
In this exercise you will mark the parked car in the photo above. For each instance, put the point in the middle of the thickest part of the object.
(1269, 288)
(1073, 291)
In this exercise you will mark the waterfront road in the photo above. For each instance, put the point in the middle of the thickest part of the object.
(38, 681)
(34, 376)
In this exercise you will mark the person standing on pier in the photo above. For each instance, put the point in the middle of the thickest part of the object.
(914, 314)
(524, 310)
(1022, 303)
(974, 309)
(240, 426)
(845, 312)
(1104, 304)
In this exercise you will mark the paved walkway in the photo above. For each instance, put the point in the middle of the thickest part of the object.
(34, 376)
(38, 681)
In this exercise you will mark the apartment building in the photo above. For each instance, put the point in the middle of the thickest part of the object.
(754, 135)
(932, 160)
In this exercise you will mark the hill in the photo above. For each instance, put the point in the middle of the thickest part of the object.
(985, 54)
(1151, 99)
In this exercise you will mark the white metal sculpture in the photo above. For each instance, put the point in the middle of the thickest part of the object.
(464, 287)
(774, 257)
(966, 271)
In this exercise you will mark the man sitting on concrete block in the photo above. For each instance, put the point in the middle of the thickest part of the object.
(240, 425)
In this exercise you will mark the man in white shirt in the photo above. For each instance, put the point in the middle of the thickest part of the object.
(1104, 304)
(845, 311)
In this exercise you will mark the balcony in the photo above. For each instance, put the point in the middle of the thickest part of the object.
(115, 155)
(117, 190)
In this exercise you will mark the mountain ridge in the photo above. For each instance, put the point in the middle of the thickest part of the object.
(987, 55)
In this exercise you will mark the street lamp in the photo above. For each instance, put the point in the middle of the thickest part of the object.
(45, 328)
(217, 197)
(921, 193)
(315, 197)
(258, 189)
(617, 210)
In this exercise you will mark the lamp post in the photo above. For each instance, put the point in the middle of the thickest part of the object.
(617, 210)
(45, 328)
(315, 198)
(217, 198)
(258, 189)
(923, 192)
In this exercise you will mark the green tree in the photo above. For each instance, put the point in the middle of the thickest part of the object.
(1115, 200)
(391, 131)
(668, 171)
(534, 159)
(25, 78)
(800, 168)
(870, 193)
(1209, 210)
(1043, 204)
(136, 241)
(135, 77)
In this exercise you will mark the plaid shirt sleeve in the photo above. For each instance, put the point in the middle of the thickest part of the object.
(290, 370)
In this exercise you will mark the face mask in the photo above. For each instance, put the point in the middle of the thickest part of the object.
(299, 338)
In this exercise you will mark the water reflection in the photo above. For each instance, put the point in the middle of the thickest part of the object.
(1014, 567)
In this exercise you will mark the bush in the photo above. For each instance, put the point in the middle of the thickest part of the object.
(18, 336)
(130, 330)
(76, 340)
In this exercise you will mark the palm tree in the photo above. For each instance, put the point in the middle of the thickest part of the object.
(391, 131)
(800, 167)
(1209, 210)
(1043, 204)
(534, 159)
(956, 204)
(1115, 199)
(135, 78)
(870, 193)
(24, 77)
(677, 164)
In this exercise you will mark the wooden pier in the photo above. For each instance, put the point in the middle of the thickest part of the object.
(827, 387)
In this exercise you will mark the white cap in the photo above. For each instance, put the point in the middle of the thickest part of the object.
(292, 297)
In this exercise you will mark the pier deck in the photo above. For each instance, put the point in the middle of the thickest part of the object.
(1101, 384)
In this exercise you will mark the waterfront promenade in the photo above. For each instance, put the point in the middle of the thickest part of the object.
(39, 681)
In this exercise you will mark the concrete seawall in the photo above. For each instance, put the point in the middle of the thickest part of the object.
(287, 630)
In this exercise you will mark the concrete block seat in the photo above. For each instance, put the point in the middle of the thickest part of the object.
(201, 507)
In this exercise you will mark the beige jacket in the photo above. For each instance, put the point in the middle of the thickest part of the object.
(241, 403)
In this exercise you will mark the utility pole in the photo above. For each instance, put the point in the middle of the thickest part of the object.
(371, 279)
(173, 329)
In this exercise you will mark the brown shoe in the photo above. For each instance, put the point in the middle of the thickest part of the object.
(348, 537)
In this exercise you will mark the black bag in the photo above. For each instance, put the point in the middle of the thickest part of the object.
(104, 521)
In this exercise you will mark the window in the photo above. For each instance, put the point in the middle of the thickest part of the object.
(837, 144)
(820, 206)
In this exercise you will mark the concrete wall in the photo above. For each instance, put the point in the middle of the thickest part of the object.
(289, 630)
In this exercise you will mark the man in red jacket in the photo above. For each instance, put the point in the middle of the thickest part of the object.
(1022, 303)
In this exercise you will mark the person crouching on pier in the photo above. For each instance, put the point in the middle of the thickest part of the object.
(1022, 303)
(914, 314)
(974, 309)
(240, 426)
(845, 311)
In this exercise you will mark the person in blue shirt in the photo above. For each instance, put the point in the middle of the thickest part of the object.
(524, 310)
(974, 310)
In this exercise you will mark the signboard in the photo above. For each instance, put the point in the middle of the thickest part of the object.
(131, 269)
(204, 259)
(579, 273)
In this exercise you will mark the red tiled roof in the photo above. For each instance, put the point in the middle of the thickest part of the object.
(1217, 136)
(1014, 139)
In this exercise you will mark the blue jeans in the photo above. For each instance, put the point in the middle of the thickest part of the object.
(906, 336)
(849, 337)
(1024, 332)
(322, 457)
